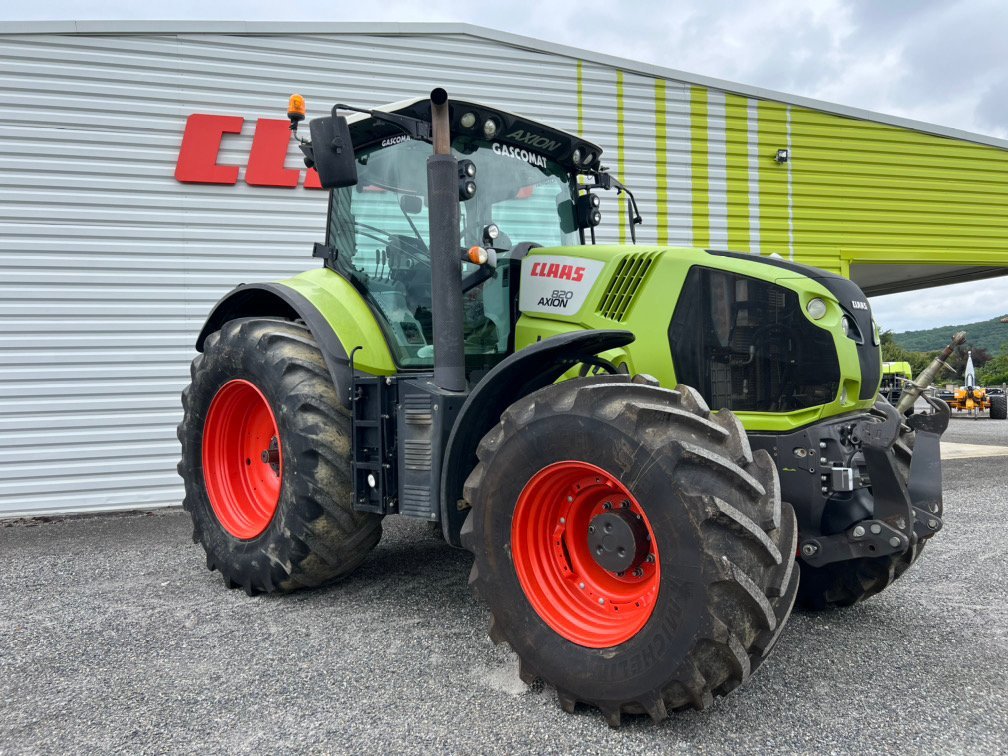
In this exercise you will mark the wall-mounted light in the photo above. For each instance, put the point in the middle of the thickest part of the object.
(782, 156)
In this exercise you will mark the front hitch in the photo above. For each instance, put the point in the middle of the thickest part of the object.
(900, 510)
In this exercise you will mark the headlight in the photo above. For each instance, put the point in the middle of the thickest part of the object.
(816, 308)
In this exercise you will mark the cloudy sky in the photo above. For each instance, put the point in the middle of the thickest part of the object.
(940, 61)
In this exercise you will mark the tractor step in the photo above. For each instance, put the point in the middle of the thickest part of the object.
(400, 429)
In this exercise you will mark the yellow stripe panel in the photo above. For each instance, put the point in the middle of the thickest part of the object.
(620, 152)
(699, 167)
(661, 162)
(876, 193)
(737, 174)
(773, 197)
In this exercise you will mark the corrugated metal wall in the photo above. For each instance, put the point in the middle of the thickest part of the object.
(108, 265)
(851, 191)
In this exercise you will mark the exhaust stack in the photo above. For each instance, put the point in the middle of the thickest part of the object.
(446, 269)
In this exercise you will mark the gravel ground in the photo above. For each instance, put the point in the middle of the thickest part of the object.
(113, 637)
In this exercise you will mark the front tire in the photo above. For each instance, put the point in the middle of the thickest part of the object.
(708, 577)
(266, 461)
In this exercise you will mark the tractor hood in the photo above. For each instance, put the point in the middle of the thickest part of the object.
(852, 301)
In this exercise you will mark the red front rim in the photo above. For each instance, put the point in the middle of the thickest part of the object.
(554, 545)
(242, 460)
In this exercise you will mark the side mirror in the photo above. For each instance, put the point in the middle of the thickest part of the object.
(411, 204)
(332, 151)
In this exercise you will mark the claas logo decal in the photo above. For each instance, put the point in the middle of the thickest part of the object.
(555, 270)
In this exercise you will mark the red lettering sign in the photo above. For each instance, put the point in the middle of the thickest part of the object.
(197, 160)
(201, 143)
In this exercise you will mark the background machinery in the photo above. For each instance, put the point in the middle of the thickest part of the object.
(468, 356)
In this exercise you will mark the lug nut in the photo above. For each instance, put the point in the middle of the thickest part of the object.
(601, 600)
(822, 460)
(894, 542)
(822, 444)
(581, 586)
(638, 572)
(876, 528)
(649, 559)
(858, 531)
(809, 549)
(932, 524)
(607, 505)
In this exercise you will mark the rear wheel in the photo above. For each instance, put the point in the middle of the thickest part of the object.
(633, 551)
(999, 407)
(266, 461)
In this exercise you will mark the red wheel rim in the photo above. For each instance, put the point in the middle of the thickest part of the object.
(555, 555)
(242, 461)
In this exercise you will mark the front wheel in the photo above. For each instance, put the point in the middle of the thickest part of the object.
(266, 460)
(633, 551)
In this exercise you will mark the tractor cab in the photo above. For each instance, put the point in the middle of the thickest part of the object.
(518, 188)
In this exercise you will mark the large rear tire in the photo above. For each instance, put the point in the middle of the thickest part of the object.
(999, 407)
(842, 584)
(708, 576)
(266, 461)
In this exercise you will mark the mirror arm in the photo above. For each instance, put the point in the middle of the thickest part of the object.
(414, 127)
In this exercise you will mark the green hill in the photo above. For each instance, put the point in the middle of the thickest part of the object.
(987, 334)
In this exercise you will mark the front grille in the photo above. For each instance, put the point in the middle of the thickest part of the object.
(619, 295)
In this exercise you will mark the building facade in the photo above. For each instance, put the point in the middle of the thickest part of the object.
(116, 240)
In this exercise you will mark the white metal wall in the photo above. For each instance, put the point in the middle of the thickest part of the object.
(108, 265)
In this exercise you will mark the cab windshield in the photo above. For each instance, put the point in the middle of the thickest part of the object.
(380, 229)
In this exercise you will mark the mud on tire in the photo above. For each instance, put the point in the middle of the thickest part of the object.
(314, 536)
(725, 543)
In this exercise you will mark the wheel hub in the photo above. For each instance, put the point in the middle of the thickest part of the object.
(242, 459)
(585, 554)
(618, 540)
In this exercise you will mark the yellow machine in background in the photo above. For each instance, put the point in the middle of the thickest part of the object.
(969, 399)
(974, 399)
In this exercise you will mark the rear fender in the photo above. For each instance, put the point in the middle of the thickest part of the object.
(335, 313)
(518, 375)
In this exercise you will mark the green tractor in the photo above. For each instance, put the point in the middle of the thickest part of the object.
(467, 355)
(895, 375)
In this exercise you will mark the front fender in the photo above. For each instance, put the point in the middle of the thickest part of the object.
(518, 375)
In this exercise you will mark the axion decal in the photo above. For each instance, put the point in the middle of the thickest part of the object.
(201, 144)
(520, 154)
(556, 285)
(533, 140)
